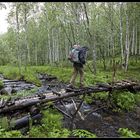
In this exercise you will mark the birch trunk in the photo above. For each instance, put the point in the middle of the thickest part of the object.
(133, 40)
(112, 30)
(136, 45)
(57, 45)
(94, 56)
(49, 48)
(139, 46)
(121, 35)
(90, 36)
(136, 41)
(53, 46)
(36, 58)
(35, 42)
(108, 48)
(127, 43)
(17, 39)
(27, 59)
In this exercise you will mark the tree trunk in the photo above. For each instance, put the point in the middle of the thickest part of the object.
(127, 43)
(49, 49)
(27, 56)
(136, 42)
(139, 46)
(72, 31)
(133, 40)
(108, 47)
(121, 35)
(94, 56)
(136, 45)
(53, 45)
(90, 37)
(17, 39)
(24, 121)
(112, 30)
(36, 58)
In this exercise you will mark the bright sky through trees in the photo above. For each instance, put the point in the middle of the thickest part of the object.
(3, 17)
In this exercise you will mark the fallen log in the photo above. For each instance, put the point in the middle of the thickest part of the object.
(24, 121)
(47, 97)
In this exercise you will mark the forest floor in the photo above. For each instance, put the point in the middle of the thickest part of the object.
(104, 122)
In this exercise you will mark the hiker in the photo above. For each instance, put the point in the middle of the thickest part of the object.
(77, 56)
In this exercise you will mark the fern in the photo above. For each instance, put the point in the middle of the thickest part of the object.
(10, 134)
(125, 100)
(80, 133)
(125, 132)
(51, 126)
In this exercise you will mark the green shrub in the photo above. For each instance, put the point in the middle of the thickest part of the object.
(80, 133)
(101, 96)
(137, 98)
(36, 132)
(88, 99)
(125, 100)
(51, 126)
(10, 134)
(1, 84)
(125, 132)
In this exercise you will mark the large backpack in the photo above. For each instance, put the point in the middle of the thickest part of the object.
(78, 55)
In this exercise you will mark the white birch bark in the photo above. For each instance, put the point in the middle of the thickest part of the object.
(133, 40)
(121, 35)
(136, 41)
(17, 39)
(127, 43)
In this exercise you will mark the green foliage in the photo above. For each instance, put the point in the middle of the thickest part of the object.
(51, 119)
(4, 97)
(13, 73)
(1, 84)
(125, 100)
(88, 99)
(137, 98)
(37, 132)
(101, 96)
(7, 55)
(80, 133)
(51, 126)
(98, 96)
(59, 133)
(63, 74)
(10, 72)
(126, 133)
(4, 123)
(10, 134)
(31, 76)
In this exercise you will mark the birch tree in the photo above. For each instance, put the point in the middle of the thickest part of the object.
(127, 40)
(17, 36)
(121, 34)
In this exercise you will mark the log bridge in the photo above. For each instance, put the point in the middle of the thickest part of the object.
(28, 101)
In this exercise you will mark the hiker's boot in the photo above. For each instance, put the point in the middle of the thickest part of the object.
(69, 86)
